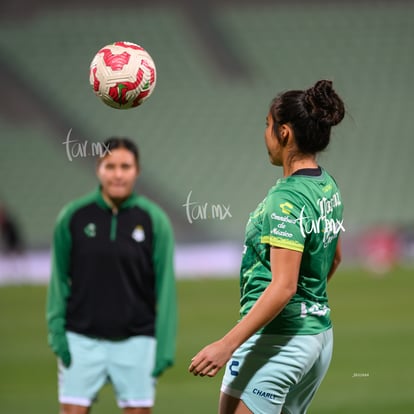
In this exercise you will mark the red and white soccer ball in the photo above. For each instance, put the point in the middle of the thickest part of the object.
(123, 75)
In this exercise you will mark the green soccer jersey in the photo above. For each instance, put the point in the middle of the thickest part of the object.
(302, 212)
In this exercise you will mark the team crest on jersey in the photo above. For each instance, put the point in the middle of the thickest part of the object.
(90, 230)
(138, 234)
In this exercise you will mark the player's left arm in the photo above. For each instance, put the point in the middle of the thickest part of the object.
(166, 301)
(336, 260)
(285, 265)
(281, 230)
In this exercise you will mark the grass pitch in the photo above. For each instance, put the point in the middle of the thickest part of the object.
(371, 370)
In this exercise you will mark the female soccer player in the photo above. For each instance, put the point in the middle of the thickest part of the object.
(111, 308)
(279, 352)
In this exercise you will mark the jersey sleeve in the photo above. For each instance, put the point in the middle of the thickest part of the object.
(59, 285)
(166, 306)
(282, 222)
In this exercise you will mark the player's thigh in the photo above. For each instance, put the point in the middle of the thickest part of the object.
(262, 371)
(301, 394)
(232, 405)
(81, 381)
(256, 374)
(73, 409)
(131, 363)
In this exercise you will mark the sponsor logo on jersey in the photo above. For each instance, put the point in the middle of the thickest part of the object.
(330, 227)
(277, 232)
(284, 219)
(316, 309)
(280, 229)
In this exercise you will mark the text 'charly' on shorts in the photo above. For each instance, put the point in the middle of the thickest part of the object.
(271, 372)
(126, 363)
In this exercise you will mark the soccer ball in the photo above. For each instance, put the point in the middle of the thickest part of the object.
(123, 75)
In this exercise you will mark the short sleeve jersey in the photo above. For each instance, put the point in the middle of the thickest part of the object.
(302, 212)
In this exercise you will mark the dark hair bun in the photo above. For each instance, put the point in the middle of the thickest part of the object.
(323, 104)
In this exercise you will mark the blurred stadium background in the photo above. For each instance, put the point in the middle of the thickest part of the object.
(201, 133)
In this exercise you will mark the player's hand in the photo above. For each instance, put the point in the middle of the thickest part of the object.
(59, 344)
(210, 359)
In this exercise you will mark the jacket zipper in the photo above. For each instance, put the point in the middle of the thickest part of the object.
(114, 222)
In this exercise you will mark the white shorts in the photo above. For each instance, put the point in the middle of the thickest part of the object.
(127, 364)
(271, 372)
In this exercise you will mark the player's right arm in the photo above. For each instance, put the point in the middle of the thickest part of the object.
(59, 289)
(336, 260)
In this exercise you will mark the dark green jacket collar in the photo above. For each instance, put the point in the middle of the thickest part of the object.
(129, 202)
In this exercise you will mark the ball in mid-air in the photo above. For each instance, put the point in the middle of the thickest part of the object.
(123, 75)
